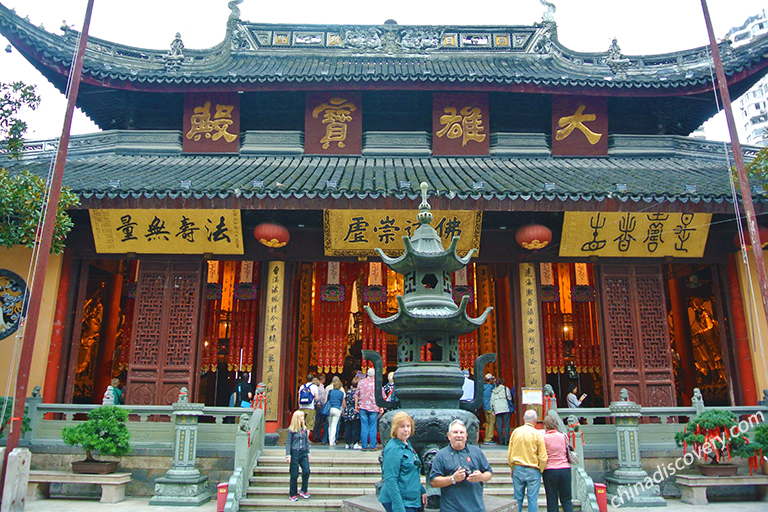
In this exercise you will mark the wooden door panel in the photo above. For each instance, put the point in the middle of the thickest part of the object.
(638, 355)
(165, 332)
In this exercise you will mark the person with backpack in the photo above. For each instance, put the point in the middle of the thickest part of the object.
(242, 394)
(113, 395)
(308, 394)
(500, 401)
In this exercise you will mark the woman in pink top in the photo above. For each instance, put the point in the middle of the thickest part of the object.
(557, 473)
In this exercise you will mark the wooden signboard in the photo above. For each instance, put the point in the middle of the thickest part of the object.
(460, 124)
(211, 123)
(631, 234)
(167, 231)
(333, 123)
(579, 126)
(359, 232)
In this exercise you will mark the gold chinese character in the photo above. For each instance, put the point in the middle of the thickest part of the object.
(467, 123)
(202, 123)
(577, 121)
(336, 116)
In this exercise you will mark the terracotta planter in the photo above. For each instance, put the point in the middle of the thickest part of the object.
(94, 468)
(718, 469)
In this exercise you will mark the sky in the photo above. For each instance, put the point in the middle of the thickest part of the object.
(641, 27)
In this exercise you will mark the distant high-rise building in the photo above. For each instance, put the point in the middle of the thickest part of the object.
(752, 123)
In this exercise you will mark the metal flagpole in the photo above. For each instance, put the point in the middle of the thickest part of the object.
(741, 171)
(44, 248)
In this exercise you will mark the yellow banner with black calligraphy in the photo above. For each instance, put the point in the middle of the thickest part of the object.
(359, 232)
(636, 235)
(167, 231)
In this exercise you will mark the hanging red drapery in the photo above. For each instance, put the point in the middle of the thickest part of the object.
(130, 302)
(245, 297)
(375, 295)
(331, 314)
(586, 341)
(463, 283)
(212, 317)
(552, 325)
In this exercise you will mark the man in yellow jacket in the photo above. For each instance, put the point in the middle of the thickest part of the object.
(527, 457)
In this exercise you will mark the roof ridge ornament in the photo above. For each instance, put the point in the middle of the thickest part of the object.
(234, 16)
(175, 55)
(549, 13)
(616, 60)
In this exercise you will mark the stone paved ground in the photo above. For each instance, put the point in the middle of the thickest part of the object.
(142, 505)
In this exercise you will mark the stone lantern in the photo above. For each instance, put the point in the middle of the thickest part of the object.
(429, 391)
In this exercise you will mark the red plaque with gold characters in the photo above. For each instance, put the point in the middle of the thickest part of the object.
(333, 123)
(211, 123)
(579, 126)
(460, 124)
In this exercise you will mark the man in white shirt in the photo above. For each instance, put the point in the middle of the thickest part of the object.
(468, 388)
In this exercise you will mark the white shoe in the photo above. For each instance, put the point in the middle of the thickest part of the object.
(347, 447)
(332, 444)
(357, 446)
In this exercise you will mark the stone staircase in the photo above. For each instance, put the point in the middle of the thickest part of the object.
(337, 474)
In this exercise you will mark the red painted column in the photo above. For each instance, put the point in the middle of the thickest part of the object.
(109, 333)
(682, 341)
(744, 351)
(60, 315)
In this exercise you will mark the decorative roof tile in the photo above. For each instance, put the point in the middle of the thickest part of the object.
(302, 182)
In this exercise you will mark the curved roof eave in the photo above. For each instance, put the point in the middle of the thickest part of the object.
(119, 66)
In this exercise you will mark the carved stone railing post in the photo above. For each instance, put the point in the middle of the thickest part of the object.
(32, 403)
(622, 485)
(183, 484)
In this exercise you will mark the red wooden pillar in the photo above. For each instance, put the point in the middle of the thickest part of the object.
(682, 341)
(505, 354)
(109, 333)
(60, 315)
(743, 350)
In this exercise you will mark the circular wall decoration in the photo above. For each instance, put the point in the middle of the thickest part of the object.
(13, 291)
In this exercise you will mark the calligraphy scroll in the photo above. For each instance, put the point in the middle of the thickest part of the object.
(359, 232)
(273, 336)
(460, 124)
(211, 123)
(630, 234)
(333, 123)
(579, 126)
(530, 326)
(167, 231)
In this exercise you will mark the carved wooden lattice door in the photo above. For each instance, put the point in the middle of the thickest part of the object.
(164, 334)
(638, 350)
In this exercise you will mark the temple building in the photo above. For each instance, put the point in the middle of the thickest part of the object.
(230, 208)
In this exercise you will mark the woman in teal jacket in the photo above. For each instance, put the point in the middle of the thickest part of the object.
(400, 468)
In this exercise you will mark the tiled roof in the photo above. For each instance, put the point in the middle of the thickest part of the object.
(261, 54)
(690, 180)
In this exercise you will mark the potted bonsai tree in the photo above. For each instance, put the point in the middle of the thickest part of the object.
(713, 440)
(104, 432)
(760, 445)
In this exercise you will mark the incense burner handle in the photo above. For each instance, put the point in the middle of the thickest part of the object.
(378, 365)
(480, 363)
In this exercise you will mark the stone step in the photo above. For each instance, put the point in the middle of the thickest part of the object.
(280, 504)
(317, 492)
(326, 480)
(331, 482)
(317, 469)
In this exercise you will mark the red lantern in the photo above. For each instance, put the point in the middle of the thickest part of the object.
(533, 236)
(762, 232)
(272, 234)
